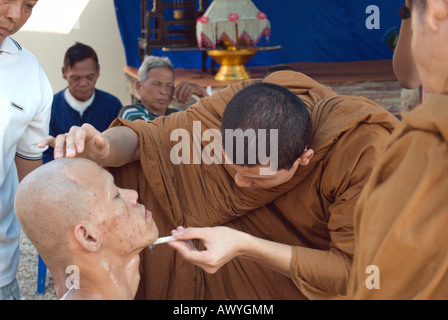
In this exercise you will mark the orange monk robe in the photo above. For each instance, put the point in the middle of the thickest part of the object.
(312, 212)
(402, 221)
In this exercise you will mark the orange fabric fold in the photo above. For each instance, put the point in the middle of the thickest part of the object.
(312, 212)
(403, 212)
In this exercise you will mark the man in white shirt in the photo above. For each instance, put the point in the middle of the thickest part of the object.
(25, 102)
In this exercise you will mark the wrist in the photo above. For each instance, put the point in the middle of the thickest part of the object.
(244, 242)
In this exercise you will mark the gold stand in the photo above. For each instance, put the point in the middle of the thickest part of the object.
(232, 61)
(178, 14)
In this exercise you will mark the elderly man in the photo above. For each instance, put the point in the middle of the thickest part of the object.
(402, 219)
(156, 89)
(81, 102)
(25, 102)
(82, 224)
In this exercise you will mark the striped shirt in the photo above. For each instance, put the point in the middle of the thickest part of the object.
(138, 112)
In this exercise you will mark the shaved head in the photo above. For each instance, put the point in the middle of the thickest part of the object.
(49, 201)
(53, 200)
(75, 215)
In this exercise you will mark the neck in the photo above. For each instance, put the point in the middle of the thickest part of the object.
(79, 106)
(100, 279)
(153, 110)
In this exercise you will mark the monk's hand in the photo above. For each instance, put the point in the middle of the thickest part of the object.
(80, 142)
(221, 244)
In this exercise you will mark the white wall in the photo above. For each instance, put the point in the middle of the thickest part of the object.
(98, 28)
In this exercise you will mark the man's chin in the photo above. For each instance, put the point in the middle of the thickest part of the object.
(154, 234)
(83, 96)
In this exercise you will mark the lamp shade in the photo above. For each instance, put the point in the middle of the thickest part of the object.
(237, 21)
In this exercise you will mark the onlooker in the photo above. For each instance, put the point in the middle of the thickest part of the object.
(25, 100)
(81, 102)
(155, 86)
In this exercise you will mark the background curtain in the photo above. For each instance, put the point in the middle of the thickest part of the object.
(309, 31)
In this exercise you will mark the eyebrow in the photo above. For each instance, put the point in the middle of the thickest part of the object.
(161, 81)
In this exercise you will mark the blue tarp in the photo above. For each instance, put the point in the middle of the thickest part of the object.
(309, 31)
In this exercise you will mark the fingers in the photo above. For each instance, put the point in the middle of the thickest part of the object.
(64, 145)
(190, 233)
(70, 139)
(73, 143)
(48, 141)
(183, 93)
(185, 90)
(183, 247)
(203, 259)
(187, 249)
(60, 146)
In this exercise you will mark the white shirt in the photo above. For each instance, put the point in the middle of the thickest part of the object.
(25, 105)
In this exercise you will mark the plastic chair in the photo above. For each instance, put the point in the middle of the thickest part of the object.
(41, 276)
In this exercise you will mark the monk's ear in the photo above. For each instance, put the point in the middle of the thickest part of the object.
(437, 13)
(305, 157)
(87, 238)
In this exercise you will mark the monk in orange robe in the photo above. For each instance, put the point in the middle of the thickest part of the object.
(402, 219)
(312, 212)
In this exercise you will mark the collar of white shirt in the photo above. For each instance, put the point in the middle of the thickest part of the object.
(79, 106)
(9, 45)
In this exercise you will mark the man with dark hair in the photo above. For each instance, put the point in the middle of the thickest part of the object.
(276, 110)
(306, 209)
(81, 102)
(275, 104)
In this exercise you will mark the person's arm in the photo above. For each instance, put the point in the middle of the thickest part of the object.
(403, 61)
(114, 147)
(223, 244)
(26, 166)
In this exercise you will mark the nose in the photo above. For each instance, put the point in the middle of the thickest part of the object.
(164, 89)
(13, 11)
(131, 196)
(83, 81)
(242, 182)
